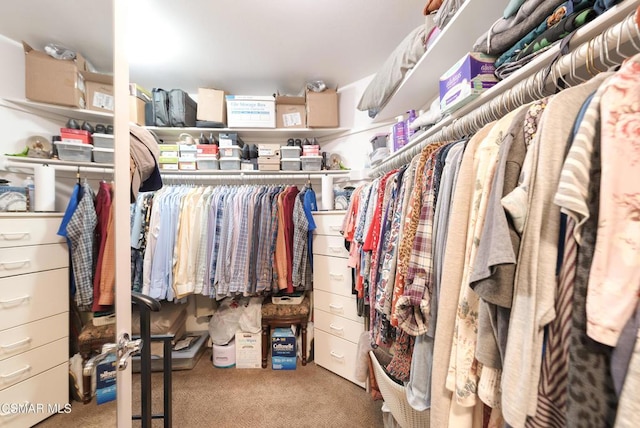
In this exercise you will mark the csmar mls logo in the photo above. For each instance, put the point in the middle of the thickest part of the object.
(29, 408)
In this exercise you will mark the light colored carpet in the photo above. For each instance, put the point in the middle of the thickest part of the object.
(206, 396)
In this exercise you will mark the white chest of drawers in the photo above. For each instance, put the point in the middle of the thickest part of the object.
(34, 318)
(337, 326)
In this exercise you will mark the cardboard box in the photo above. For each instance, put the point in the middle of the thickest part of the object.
(99, 91)
(322, 109)
(248, 350)
(291, 112)
(283, 343)
(211, 105)
(136, 110)
(283, 363)
(249, 111)
(466, 80)
(54, 81)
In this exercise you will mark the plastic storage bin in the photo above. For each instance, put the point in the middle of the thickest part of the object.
(311, 163)
(102, 141)
(208, 164)
(74, 152)
(230, 152)
(290, 164)
(290, 152)
(311, 150)
(229, 164)
(102, 155)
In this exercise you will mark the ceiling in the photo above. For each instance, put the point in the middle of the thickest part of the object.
(246, 47)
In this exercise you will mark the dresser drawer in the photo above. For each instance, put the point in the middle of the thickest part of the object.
(330, 246)
(16, 340)
(32, 258)
(331, 274)
(336, 354)
(34, 296)
(48, 394)
(33, 362)
(337, 326)
(329, 223)
(17, 232)
(337, 305)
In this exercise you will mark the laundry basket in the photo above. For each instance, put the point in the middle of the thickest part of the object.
(395, 397)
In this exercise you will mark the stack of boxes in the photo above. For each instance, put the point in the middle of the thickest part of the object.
(188, 154)
(290, 158)
(230, 150)
(283, 349)
(269, 157)
(311, 159)
(169, 157)
(207, 157)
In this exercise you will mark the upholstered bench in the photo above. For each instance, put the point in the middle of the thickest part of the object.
(284, 315)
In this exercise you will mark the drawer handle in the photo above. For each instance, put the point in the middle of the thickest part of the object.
(336, 250)
(17, 372)
(336, 355)
(335, 228)
(336, 276)
(14, 236)
(15, 301)
(336, 307)
(22, 342)
(333, 327)
(18, 263)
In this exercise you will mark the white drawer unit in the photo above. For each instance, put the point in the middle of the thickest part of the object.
(337, 355)
(332, 275)
(337, 326)
(330, 246)
(328, 222)
(34, 319)
(336, 322)
(20, 231)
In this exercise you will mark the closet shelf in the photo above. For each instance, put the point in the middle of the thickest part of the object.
(604, 23)
(250, 133)
(64, 112)
(420, 85)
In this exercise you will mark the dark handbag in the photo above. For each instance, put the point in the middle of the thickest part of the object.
(182, 109)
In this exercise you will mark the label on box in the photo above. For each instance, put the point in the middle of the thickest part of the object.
(103, 101)
(169, 166)
(248, 350)
(283, 343)
(283, 363)
(292, 119)
(106, 380)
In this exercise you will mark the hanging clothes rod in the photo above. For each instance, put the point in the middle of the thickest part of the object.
(605, 50)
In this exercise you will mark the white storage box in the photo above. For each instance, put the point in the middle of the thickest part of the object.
(230, 152)
(290, 164)
(248, 111)
(248, 350)
(187, 164)
(290, 152)
(102, 141)
(209, 164)
(311, 150)
(102, 155)
(267, 149)
(311, 163)
(75, 152)
(229, 164)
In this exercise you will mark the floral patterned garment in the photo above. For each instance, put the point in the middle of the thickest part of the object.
(464, 370)
(400, 365)
(614, 279)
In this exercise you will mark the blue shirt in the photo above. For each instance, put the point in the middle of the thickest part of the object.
(76, 194)
(310, 204)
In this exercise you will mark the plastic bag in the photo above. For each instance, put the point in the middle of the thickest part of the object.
(235, 314)
(59, 52)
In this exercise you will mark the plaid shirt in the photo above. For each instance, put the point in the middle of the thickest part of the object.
(266, 242)
(412, 308)
(80, 231)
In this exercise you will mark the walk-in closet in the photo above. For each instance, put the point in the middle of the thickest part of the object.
(344, 214)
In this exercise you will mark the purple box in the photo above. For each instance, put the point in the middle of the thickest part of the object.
(467, 79)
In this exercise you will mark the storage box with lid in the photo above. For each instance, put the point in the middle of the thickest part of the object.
(55, 81)
(290, 152)
(69, 135)
(187, 164)
(251, 111)
(230, 152)
(311, 163)
(75, 152)
(249, 164)
(290, 112)
(207, 150)
(268, 149)
(208, 163)
(269, 164)
(102, 155)
(290, 164)
(229, 164)
(188, 151)
(102, 141)
(172, 150)
(311, 150)
(168, 162)
(227, 139)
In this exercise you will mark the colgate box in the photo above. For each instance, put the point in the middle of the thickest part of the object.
(466, 80)
(283, 343)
